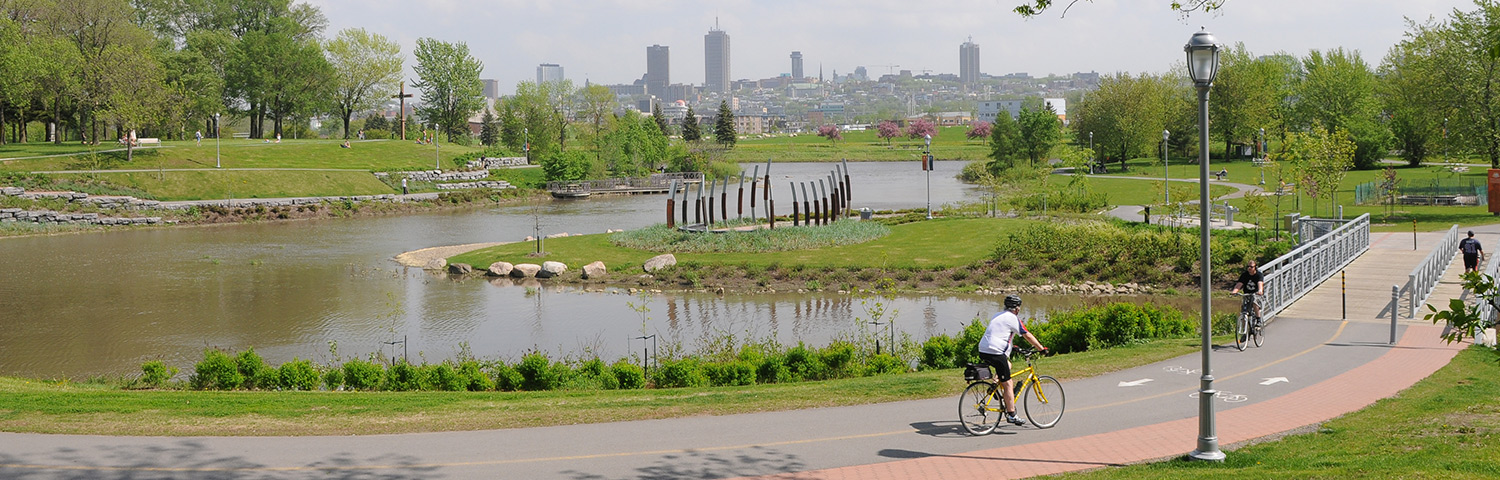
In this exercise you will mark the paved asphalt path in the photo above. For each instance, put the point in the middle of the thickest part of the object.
(1298, 353)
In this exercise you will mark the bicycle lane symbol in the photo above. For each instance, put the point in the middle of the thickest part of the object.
(1179, 370)
(1227, 397)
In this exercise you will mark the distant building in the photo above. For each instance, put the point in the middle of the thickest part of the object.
(944, 119)
(796, 65)
(861, 73)
(658, 70)
(549, 72)
(989, 110)
(716, 60)
(680, 92)
(491, 88)
(968, 62)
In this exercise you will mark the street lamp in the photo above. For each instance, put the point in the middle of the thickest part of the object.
(927, 157)
(1263, 156)
(1094, 160)
(1203, 64)
(217, 163)
(437, 155)
(1165, 187)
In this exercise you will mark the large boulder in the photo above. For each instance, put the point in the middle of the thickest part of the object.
(500, 269)
(525, 270)
(558, 235)
(594, 270)
(460, 269)
(659, 262)
(551, 269)
(436, 264)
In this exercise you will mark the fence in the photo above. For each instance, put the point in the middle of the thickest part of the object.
(1373, 192)
(1291, 276)
(1421, 280)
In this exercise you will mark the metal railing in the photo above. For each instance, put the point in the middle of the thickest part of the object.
(1421, 280)
(1486, 305)
(1291, 276)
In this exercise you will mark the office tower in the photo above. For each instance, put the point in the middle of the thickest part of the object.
(716, 60)
(491, 88)
(968, 62)
(861, 73)
(796, 66)
(658, 65)
(549, 72)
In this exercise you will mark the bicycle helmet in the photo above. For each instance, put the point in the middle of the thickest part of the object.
(1012, 301)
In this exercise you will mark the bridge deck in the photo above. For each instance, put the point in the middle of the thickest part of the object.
(1370, 277)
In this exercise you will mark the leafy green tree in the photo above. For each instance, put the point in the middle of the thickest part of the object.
(1127, 114)
(451, 89)
(690, 130)
(635, 147)
(1032, 8)
(537, 106)
(18, 72)
(661, 120)
(1337, 91)
(724, 126)
(1447, 72)
(512, 130)
(1004, 143)
(1321, 158)
(367, 70)
(1039, 130)
(135, 86)
(1245, 95)
(489, 133)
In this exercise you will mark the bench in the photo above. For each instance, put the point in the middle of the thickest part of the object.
(148, 141)
(1260, 162)
(1429, 199)
(240, 135)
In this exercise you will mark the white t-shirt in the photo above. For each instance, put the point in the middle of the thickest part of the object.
(998, 335)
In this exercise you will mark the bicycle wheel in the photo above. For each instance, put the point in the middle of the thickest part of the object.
(1044, 401)
(1258, 333)
(1242, 331)
(978, 410)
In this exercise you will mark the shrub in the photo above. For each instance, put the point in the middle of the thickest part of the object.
(837, 359)
(773, 369)
(679, 373)
(940, 352)
(803, 364)
(403, 377)
(297, 375)
(884, 363)
(155, 374)
(333, 378)
(473, 377)
(506, 378)
(536, 372)
(1110, 325)
(628, 375)
(730, 374)
(363, 375)
(216, 371)
(445, 378)
(257, 374)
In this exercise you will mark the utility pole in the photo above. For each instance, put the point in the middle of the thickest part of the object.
(403, 96)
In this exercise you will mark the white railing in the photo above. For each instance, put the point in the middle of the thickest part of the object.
(1421, 280)
(1291, 276)
(1486, 306)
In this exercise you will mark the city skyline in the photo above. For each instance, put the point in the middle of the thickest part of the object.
(605, 42)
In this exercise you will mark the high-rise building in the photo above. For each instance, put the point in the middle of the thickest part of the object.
(861, 73)
(968, 62)
(796, 66)
(658, 66)
(491, 88)
(549, 72)
(716, 60)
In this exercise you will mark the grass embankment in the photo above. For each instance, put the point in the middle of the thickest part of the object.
(1445, 426)
(950, 143)
(50, 407)
(365, 155)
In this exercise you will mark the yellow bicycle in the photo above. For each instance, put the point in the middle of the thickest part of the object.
(980, 408)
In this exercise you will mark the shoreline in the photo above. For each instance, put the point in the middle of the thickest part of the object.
(420, 258)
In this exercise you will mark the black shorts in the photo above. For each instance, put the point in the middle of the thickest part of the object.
(1471, 261)
(1000, 363)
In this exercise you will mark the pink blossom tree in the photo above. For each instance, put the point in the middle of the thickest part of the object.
(831, 133)
(979, 131)
(920, 128)
(888, 130)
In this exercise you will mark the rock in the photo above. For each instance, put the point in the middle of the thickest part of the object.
(594, 270)
(500, 269)
(529, 238)
(460, 269)
(436, 264)
(525, 270)
(557, 235)
(551, 269)
(659, 262)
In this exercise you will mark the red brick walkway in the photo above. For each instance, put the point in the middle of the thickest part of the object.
(1419, 353)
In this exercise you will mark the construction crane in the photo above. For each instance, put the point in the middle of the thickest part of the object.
(889, 69)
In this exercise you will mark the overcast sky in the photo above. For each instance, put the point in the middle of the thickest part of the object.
(605, 41)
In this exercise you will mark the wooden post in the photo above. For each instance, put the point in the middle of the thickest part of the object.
(794, 205)
(402, 114)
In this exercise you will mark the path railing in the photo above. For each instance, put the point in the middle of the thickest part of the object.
(1421, 280)
(1486, 306)
(1291, 276)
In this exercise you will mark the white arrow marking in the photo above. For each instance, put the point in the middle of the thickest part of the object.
(1270, 381)
(1136, 383)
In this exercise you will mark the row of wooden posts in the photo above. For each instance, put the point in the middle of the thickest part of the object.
(829, 199)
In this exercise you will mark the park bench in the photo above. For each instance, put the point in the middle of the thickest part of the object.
(1429, 199)
(240, 135)
(148, 141)
(1260, 162)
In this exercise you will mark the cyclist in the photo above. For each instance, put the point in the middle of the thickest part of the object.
(994, 350)
(1253, 282)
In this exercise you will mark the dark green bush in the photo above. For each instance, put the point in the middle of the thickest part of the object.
(537, 372)
(939, 352)
(679, 373)
(297, 375)
(506, 378)
(257, 374)
(155, 374)
(445, 378)
(803, 363)
(730, 374)
(216, 371)
(363, 375)
(883, 364)
(1110, 325)
(473, 377)
(837, 359)
(403, 377)
(333, 378)
(628, 375)
(772, 369)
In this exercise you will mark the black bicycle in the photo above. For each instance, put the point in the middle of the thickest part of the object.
(1247, 328)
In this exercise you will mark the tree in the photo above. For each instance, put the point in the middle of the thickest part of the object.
(451, 89)
(1004, 141)
(724, 126)
(888, 130)
(1039, 130)
(656, 116)
(367, 69)
(1127, 114)
(489, 133)
(690, 130)
(635, 147)
(980, 130)
(1245, 96)
(538, 116)
(135, 87)
(920, 128)
(376, 121)
(1441, 85)
(1321, 158)
(830, 132)
(1033, 8)
(1337, 91)
(598, 101)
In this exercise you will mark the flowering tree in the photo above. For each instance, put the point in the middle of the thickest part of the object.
(980, 131)
(920, 128)
(831, 133)
(888, 130)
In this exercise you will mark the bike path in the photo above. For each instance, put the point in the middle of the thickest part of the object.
(1107, 422)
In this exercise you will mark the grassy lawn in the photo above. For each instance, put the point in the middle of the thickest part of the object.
(950, 143)
(936, 243)
(49, 407)
(366, 155)
(1445, 426)
(214, 184)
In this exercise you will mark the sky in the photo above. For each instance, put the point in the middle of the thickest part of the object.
(604, 41)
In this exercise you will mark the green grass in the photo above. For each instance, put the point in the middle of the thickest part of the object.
(927, 244)
(1445, 426)
(215, 184)
(70, 408)
(369, 155)
(950, 143)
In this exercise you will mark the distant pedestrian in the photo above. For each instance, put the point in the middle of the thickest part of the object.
(198, 137)
(403, 186)
(1473, 253)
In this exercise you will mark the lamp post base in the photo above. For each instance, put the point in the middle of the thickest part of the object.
(1210, 456)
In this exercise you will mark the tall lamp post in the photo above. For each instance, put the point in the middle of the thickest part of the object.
(437, 155)
(217, 162)
(1165, 187)
(1094, 160)
(1263, 156)
(927, 158)
(1203, 64)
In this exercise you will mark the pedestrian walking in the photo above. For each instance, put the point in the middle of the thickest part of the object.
(403, 186)
(198, 137)
(1473, 253)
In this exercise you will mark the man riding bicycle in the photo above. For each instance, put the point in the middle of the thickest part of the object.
(1252, 282)
(994, 350)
